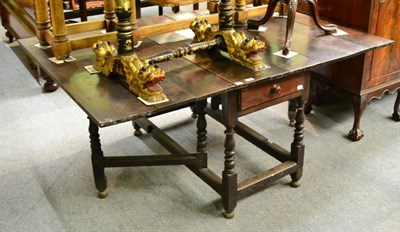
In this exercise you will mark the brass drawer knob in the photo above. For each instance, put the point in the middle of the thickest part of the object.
(276, 89)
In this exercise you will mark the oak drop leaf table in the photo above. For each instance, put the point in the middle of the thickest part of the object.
(212, 84)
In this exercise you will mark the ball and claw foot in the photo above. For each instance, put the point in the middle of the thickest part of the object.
(355, 134)
(295, 183)
(103, 194)
(228, 215)
(137, 133)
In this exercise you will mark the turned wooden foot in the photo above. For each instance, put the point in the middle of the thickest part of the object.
(103, 194)
(295, 183)
(194, 111)
(396, 110)
(9, 36)
(49, 85)
(137, 131)
(308, 107)
(229, 215)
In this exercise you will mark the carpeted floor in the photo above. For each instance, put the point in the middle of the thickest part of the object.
(46, 181)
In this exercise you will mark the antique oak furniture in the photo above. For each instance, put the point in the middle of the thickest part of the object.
(372, 74)
(194, 79)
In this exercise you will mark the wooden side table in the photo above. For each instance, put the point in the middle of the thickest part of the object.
(372, 74)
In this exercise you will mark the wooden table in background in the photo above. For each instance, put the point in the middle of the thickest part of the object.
(372, 74)
(234, 91)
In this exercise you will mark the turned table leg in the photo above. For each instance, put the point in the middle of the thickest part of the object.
(396, 110)
(359, 104)
(292, 106)
(201, 126)
(229, 175)
(297, 147)
(100, 178)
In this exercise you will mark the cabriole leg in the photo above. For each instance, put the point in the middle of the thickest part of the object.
(289, 26)
(359, 104)
(396, 109)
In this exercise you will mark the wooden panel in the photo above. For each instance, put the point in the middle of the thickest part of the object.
(105, 99)
(352, 13)
(387, 60)
(372, 69)
(259, 94)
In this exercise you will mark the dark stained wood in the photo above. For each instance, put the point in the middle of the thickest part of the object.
(259, 94)
(396, 108)
(373, 73)
(95, 93)
(97, 156)
(352, 13)
(258, 182)
(234, 91)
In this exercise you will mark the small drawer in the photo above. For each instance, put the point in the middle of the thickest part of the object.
(259, 94)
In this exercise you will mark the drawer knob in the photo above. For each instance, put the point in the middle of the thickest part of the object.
(276, 89)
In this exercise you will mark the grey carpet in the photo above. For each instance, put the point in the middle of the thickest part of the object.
(47, 184)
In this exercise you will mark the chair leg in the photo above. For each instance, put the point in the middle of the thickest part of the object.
(138, 14)
(195, 6)
(160, 10)
(175, 9)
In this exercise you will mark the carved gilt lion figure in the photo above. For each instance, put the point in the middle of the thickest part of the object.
(242, 49)
(143, 79)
